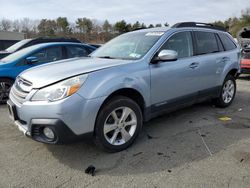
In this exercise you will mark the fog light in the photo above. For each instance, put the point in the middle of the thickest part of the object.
(49, 133)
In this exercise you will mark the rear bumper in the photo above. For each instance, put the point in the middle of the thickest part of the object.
(245, 70)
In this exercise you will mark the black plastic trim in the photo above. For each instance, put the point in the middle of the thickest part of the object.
(180, 102)
(245, 71)
(63, 134)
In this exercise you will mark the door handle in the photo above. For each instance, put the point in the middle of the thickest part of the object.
(194, 65)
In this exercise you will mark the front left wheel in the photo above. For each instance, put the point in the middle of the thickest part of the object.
(118, 124)
(5, 86)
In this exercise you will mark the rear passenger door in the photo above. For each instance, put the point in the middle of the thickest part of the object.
(77, 51)
(209, 55)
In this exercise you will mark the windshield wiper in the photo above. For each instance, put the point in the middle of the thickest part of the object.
(106, 57)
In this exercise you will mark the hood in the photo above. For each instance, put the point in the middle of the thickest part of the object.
(44, 75)
(4, 54)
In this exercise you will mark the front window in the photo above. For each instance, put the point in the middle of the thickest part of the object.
(181, 43)
(16, 46)
(49, 55)
(128, 46)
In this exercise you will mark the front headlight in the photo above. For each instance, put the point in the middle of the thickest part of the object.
(60, 90)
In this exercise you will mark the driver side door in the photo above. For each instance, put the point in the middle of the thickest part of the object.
(175, 83)
(45, 55)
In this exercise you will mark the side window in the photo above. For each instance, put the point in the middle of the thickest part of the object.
(227, 42)
(221, 49)
(76, 51)
(181, 43)
(206, 43)
(49, 55)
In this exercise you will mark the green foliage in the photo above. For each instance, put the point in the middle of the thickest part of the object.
(85, 25)
(47, 27)
(158, 25)
(89, 30)
(62, 25)
(151, 26)
(136, 25)
(121, 26)
(166, 24)
(234, 25)
(107, 27)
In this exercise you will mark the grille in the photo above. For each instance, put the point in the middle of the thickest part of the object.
(36, 131)
(20, 90)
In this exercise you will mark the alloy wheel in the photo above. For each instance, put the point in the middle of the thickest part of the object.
(228, 91)
(120, 126)
(4, 91)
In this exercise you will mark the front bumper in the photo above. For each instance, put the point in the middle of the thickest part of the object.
(69, 119)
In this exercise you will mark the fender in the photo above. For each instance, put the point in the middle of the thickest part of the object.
(104, 82)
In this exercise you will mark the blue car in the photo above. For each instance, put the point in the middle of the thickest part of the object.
(12, 65)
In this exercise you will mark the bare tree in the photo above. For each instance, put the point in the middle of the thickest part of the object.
(5, 24)
(16, 26)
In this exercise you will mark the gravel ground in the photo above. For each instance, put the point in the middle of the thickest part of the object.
(187, 148)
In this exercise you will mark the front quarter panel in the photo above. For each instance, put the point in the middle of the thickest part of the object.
(104, 82)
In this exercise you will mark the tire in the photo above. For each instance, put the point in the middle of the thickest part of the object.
(5, 86)
(226, 94)
(114, 133)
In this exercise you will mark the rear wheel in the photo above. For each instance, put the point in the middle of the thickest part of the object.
(5, 86)
(227, 93)
(118, 124)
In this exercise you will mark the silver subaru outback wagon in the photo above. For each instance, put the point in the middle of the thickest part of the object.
(131, 79)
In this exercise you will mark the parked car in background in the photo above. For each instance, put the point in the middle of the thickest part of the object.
(245, 60)
(30, 42)
(39, 54)
(95, 45)
(131, 79)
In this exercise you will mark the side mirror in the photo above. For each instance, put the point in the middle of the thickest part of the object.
(166, 55)
(31, 60)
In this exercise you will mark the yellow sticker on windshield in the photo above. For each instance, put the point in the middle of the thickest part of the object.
(156, 33)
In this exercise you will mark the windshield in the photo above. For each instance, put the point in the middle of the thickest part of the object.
(14, 47)
(128, 46)
(18, 54)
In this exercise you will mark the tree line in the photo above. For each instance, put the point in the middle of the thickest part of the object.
(91, 30)
(84, 29)
(234, 24)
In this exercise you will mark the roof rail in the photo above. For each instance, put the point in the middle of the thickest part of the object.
(198, 24)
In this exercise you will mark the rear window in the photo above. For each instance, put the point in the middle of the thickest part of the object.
(206, 43)
(227, 42)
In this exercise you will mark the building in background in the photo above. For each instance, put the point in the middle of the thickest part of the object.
(8, 38)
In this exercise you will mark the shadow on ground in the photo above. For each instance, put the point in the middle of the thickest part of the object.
(244, 77)
(165, 142)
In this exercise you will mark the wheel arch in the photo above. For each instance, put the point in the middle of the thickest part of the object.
(131, 93)
(7, 78)
(233, 72)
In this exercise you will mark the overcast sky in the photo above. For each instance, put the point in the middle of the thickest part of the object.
(147, 11)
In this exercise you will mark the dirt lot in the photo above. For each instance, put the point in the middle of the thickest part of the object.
(188, 148)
